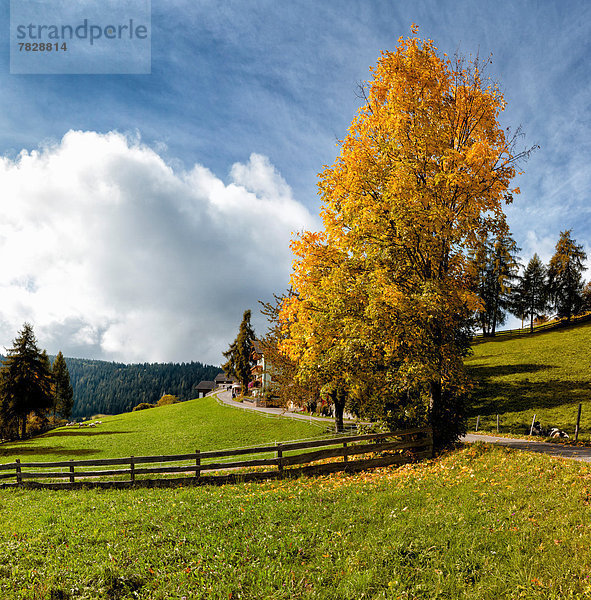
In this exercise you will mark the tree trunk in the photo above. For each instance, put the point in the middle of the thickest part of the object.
(531, 326)
(24, 427)
(434, 396)
(494, 323)
(339, 398)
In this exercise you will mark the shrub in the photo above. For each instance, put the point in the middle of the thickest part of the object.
(36, 424)
(167, 399)
(143, 406)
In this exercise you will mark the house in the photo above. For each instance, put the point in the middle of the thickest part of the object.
(224, 381)
(261, 373)
(204, 387)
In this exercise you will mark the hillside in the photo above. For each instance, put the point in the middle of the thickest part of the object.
(102, 387)
(200, 424)
(545, 373)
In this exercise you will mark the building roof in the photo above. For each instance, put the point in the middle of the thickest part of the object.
(205, 385)
(223, 378)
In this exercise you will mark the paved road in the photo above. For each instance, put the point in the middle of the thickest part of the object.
(226, 398)
(559, 450)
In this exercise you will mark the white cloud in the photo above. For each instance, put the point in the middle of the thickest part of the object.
(112, 254)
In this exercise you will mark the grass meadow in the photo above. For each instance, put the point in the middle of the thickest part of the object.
(546, 373)
(478, 523)
(200, 424)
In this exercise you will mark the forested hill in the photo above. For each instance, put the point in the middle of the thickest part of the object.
(111, 388)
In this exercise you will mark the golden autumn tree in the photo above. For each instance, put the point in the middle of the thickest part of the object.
(383, 293)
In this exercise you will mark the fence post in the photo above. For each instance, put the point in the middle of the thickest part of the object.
(578, 422)
(531, 429)
(132, 468)
(19, 478)
(477, 422)
(497, 423)
(279, 459)
(345, 455)
(71, 471)
(198, 463)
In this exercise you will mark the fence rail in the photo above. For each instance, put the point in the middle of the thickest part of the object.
(288, 460)
(554, 324)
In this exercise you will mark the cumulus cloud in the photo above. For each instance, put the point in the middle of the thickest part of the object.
(111, 253)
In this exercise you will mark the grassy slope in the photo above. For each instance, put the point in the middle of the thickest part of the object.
(547, 374)
(480, 523)
(193, 425)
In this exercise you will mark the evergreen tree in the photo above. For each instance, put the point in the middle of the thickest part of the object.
(63, 393)
(587, 297)
(25, 381)
(530, 297)
(496, 268)
(565, 283)
(239, 356)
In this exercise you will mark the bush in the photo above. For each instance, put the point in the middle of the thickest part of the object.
(167, 399)
(143, 406)
(36, 424)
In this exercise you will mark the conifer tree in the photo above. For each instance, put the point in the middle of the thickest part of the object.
(240, 354)
(496, 265)
(63, 393)
(565, 282)
(587, 297)
(530, 298)
(25, 381)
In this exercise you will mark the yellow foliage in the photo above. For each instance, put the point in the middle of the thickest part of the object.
(424, 170)
(167, 399)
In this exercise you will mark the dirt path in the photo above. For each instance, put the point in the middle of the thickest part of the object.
(559, 450)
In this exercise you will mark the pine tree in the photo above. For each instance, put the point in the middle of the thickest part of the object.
(239, 356)
(496, 265)
(25, 381)
(63, 393)
(565, 283)
(530, 298)
(587, 297)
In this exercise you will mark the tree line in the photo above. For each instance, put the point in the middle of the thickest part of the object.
(38, 391)
(557, 287)
(102, 387)
(414, 254)
(382, 301)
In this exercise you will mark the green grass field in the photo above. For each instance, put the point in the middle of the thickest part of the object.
(546, 374)
(175, 429)
(479, 523)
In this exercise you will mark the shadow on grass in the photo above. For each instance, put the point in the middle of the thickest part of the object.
(18, 451)
(482, 373)
(492, 397)
(80, 432)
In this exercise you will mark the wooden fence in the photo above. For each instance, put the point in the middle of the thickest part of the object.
(287, 460)
(554, 324)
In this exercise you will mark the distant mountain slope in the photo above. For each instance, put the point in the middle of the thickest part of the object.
(102, 387)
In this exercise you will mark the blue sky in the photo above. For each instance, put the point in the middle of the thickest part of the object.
(148, 211)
